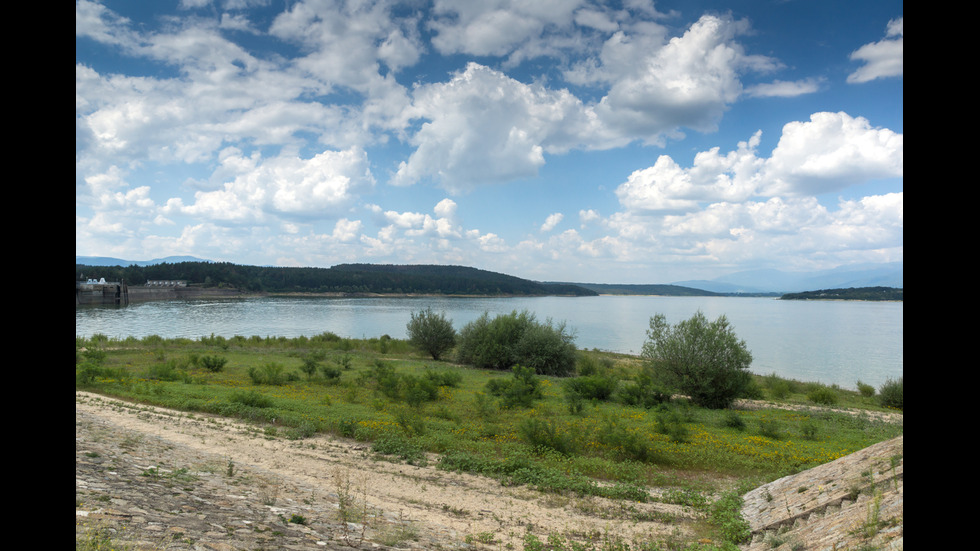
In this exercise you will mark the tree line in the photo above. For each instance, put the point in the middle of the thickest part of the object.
(343, 278)
(852, 293)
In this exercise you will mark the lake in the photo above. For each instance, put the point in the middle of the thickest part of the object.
(833, 342)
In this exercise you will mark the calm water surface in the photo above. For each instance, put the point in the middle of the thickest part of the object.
(828, 341)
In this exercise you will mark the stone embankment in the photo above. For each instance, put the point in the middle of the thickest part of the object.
(855, 502)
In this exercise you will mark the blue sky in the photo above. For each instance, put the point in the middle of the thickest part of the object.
(556, 140)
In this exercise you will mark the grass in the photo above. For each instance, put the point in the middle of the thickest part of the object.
(409, 407)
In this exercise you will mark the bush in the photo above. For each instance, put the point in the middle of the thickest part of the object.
(890, 394)
(213, 364)
(702, 359)
(517, 338)
(432, 333)
(671, 423)
(521, 390)
(331, 374)
(733, 420)
(823, 395)
(642, 392)
(865, 389)
(251, 398)
(270, 373)
(538, 432)
(592, 387)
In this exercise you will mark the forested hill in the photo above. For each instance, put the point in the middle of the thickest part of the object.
(650, 289)
(343, 278)
(853, 293)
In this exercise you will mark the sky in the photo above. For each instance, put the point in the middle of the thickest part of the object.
(554, 140)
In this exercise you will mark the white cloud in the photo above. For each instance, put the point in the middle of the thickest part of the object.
(347, 230)
(741, 207)
(829, 152)
(783, 89)
(587, 216)
(323, 186)
(882, 59)
(497, 27)
(483, 127)
(668, 187)
(552, 221)
(689, 81)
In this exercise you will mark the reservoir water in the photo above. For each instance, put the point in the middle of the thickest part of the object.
(833, 342)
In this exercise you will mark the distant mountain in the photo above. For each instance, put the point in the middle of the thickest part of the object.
(776, 281)
(109, 261)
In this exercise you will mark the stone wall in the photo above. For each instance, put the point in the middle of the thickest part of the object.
(115, 293)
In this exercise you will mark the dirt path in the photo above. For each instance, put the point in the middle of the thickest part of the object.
(168, 480)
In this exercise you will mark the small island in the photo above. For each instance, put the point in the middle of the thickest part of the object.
(851, 293)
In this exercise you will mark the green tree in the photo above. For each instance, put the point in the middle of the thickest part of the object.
(517, 338)
(702, 359)
(431, 333)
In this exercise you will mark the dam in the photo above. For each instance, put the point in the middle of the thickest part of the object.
(102, 292)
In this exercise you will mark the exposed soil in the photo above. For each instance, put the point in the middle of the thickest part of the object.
(151, 478)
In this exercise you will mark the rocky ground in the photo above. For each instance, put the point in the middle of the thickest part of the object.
(147, 478)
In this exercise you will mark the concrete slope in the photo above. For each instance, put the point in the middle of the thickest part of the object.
(855, 502)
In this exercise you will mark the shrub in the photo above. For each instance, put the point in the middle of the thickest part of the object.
(546, 348)
(823, 395)
(538, 432)
(331, 374)
(704, 360)
(443, 377)
(166, 371)
(213, 364)
(521, 390)
(770, 429)
(311, 362)
(808, 429)
(432, 333)
(890, 394)
(401, 447)
(588, 364)
(251, 398)
(625, 443)
(865, 389)
(591, 387)
(733, 420)
(418, 390)
(726, 512)
(642, 392)
(270, 373)
(672, 424)
(778, 388)
(517, 338)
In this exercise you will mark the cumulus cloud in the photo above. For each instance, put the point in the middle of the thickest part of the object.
(688, 81)
(668, 187)
(496, 27)
(484, 127)
(552, 221)
(741, 206)
(832, 151)
(882, 59)
(827, 153)
(288, 186)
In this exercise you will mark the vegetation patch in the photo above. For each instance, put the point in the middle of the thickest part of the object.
(628, 433)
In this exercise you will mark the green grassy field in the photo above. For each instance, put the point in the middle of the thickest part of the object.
(409, 408)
